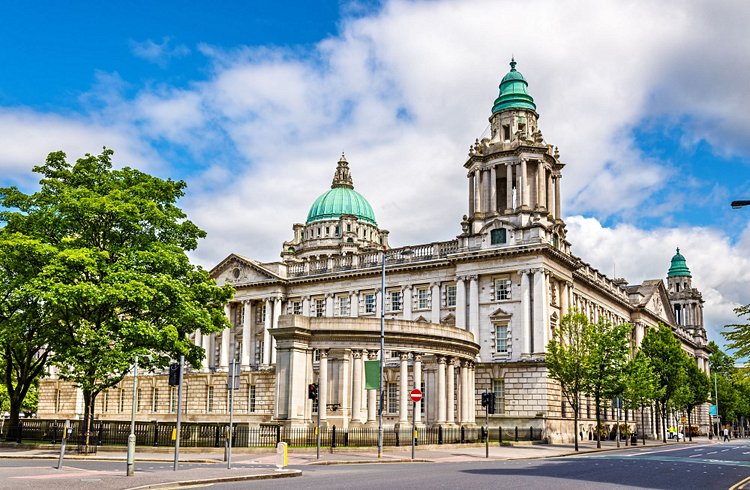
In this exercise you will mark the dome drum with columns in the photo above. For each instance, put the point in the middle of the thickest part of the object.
(462, 316)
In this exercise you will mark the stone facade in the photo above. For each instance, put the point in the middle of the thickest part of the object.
(461, 317)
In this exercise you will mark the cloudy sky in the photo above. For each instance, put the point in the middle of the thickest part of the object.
(253, 102)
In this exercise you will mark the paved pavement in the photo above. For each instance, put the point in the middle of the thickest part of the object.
(154, 469)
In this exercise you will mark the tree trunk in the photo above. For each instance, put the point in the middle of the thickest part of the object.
(89, 398)
(598, 421)
(643, 427)
(575, 424)
(663, 414)
(688, 430)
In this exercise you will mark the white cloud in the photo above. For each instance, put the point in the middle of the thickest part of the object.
(159, 53)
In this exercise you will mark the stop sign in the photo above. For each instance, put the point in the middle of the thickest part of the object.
(416, 395)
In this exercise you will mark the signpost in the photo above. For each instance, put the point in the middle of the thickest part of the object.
(415, 395)
(233, 383)
(179, 412)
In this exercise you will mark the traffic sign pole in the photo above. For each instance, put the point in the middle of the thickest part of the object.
(415, 395)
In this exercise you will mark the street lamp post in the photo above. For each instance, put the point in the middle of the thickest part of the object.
(382, 355)
(740, 204)
(130, 471)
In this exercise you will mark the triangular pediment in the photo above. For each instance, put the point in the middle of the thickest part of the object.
(422, 319)
(656, 301)
(449, 320)
(500, 314)
(236, 269)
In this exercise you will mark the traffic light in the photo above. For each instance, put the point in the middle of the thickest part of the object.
(488, 401)
(484, 399)
(174, 374)
(312, 391)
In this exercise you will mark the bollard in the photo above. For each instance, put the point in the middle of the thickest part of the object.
(333, 437)
(516, 433)
(282, 456)
(499, 435)
(463, 435)
(440, 434)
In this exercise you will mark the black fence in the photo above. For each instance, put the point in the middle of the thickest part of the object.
(155, 434)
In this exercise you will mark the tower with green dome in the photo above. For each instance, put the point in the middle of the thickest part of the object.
(514, 177)
(340, 221)
(687, 301)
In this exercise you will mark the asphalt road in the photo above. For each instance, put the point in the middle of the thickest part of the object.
(704, 466)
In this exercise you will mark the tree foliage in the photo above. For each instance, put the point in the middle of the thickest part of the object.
(738, 334)
(118, 282)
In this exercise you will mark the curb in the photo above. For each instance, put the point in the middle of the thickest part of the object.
(369, 461)
(225, 479)
(102, 458)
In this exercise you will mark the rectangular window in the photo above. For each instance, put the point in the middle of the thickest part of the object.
(498, 388)
(210, 399)
(502, 289)
(395, 301)
(251, 399)
(259, 353)
(296, 307)
(138, 400)
(506, 132)
(498, 236)
(343, 305)
(450, 295)
(173, 399)
(58, 400)
(423, 404)
(316, 355)
(423, 298)
(369, 303)
(105, 404)
(260, 313)
(122, 401)
(320, 307)
(392, 398)
(501, 339)
(154, 400)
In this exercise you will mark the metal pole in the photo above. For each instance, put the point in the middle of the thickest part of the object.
(487, 424)
(413, 428)
(382, 357)
(718, 417)
(179, 415)
(617, 432)
(62, 444)
(317, 429)
(130, 470)
(231, 410)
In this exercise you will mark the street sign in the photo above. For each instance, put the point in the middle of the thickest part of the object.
(683, 420)
(233, 379)
(416, 395)
(712, 410)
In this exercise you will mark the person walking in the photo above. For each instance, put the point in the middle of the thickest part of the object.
(726, 434)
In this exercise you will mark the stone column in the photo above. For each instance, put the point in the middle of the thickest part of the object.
(323, 385)
(460, 303)
(276, 315)
(435, 301)
(406, 297)
(509, 188)
(477, 192)
(403, 398)
(524, 184)
(464, 374)
(557, 197)
(417, 386)
(206, 344)
(550, 195)
(372, 400)
(540, 311)
(354, 304)
(246, 335)
(225, 334)
(306, 306)
(450, 415)
(357, 386)
(266, 332)
(564, 306)
(471, 194)
(493, 189)
(472, 394)
(474, 307)
(197, 338)
(441, 390)
(525, 312)
(541, 193)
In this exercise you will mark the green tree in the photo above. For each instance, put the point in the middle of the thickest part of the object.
(24, 319)
(697, 387)
(566, 358)
(666, 356)
(641, 386)
(738, 334)
(119, 283)
(608, 356)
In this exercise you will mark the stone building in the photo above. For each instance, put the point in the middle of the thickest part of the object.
(461, 317)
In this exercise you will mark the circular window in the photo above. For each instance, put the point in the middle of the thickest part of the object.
(236, 272)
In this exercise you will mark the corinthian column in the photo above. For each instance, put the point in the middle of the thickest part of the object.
(357, 387)
(246, 335)
(225, 334)
(451, 392)
(441, 390)
(403, 409)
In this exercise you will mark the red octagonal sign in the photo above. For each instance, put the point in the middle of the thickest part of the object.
(416, 395)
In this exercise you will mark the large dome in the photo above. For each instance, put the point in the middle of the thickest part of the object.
(338, 202)
(678, 267)
(341, 199)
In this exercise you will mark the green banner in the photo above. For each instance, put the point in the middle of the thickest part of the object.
(372, 375)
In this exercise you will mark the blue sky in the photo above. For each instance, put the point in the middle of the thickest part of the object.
(252, 103)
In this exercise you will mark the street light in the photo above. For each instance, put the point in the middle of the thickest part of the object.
(740, 204)
(382, 348)
(130, 470)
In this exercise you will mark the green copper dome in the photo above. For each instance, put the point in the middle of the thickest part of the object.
(679, 266)
(513, 92)
(341, 199)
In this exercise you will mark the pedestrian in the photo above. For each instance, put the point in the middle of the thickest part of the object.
(726, 434)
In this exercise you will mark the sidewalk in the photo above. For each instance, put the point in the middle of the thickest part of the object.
(254, 463)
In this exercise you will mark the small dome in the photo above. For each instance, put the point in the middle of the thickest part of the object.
(679, 266)
(513, 92)
(341, 199)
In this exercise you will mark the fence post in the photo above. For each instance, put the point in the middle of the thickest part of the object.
(156, 433)
(499, 435)
(346, 438)
(333, 437)
(440, 434)
(463, 435)
(531, 433)
(278, 434)
(100, 435)
(217, 435)
(516, 433)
